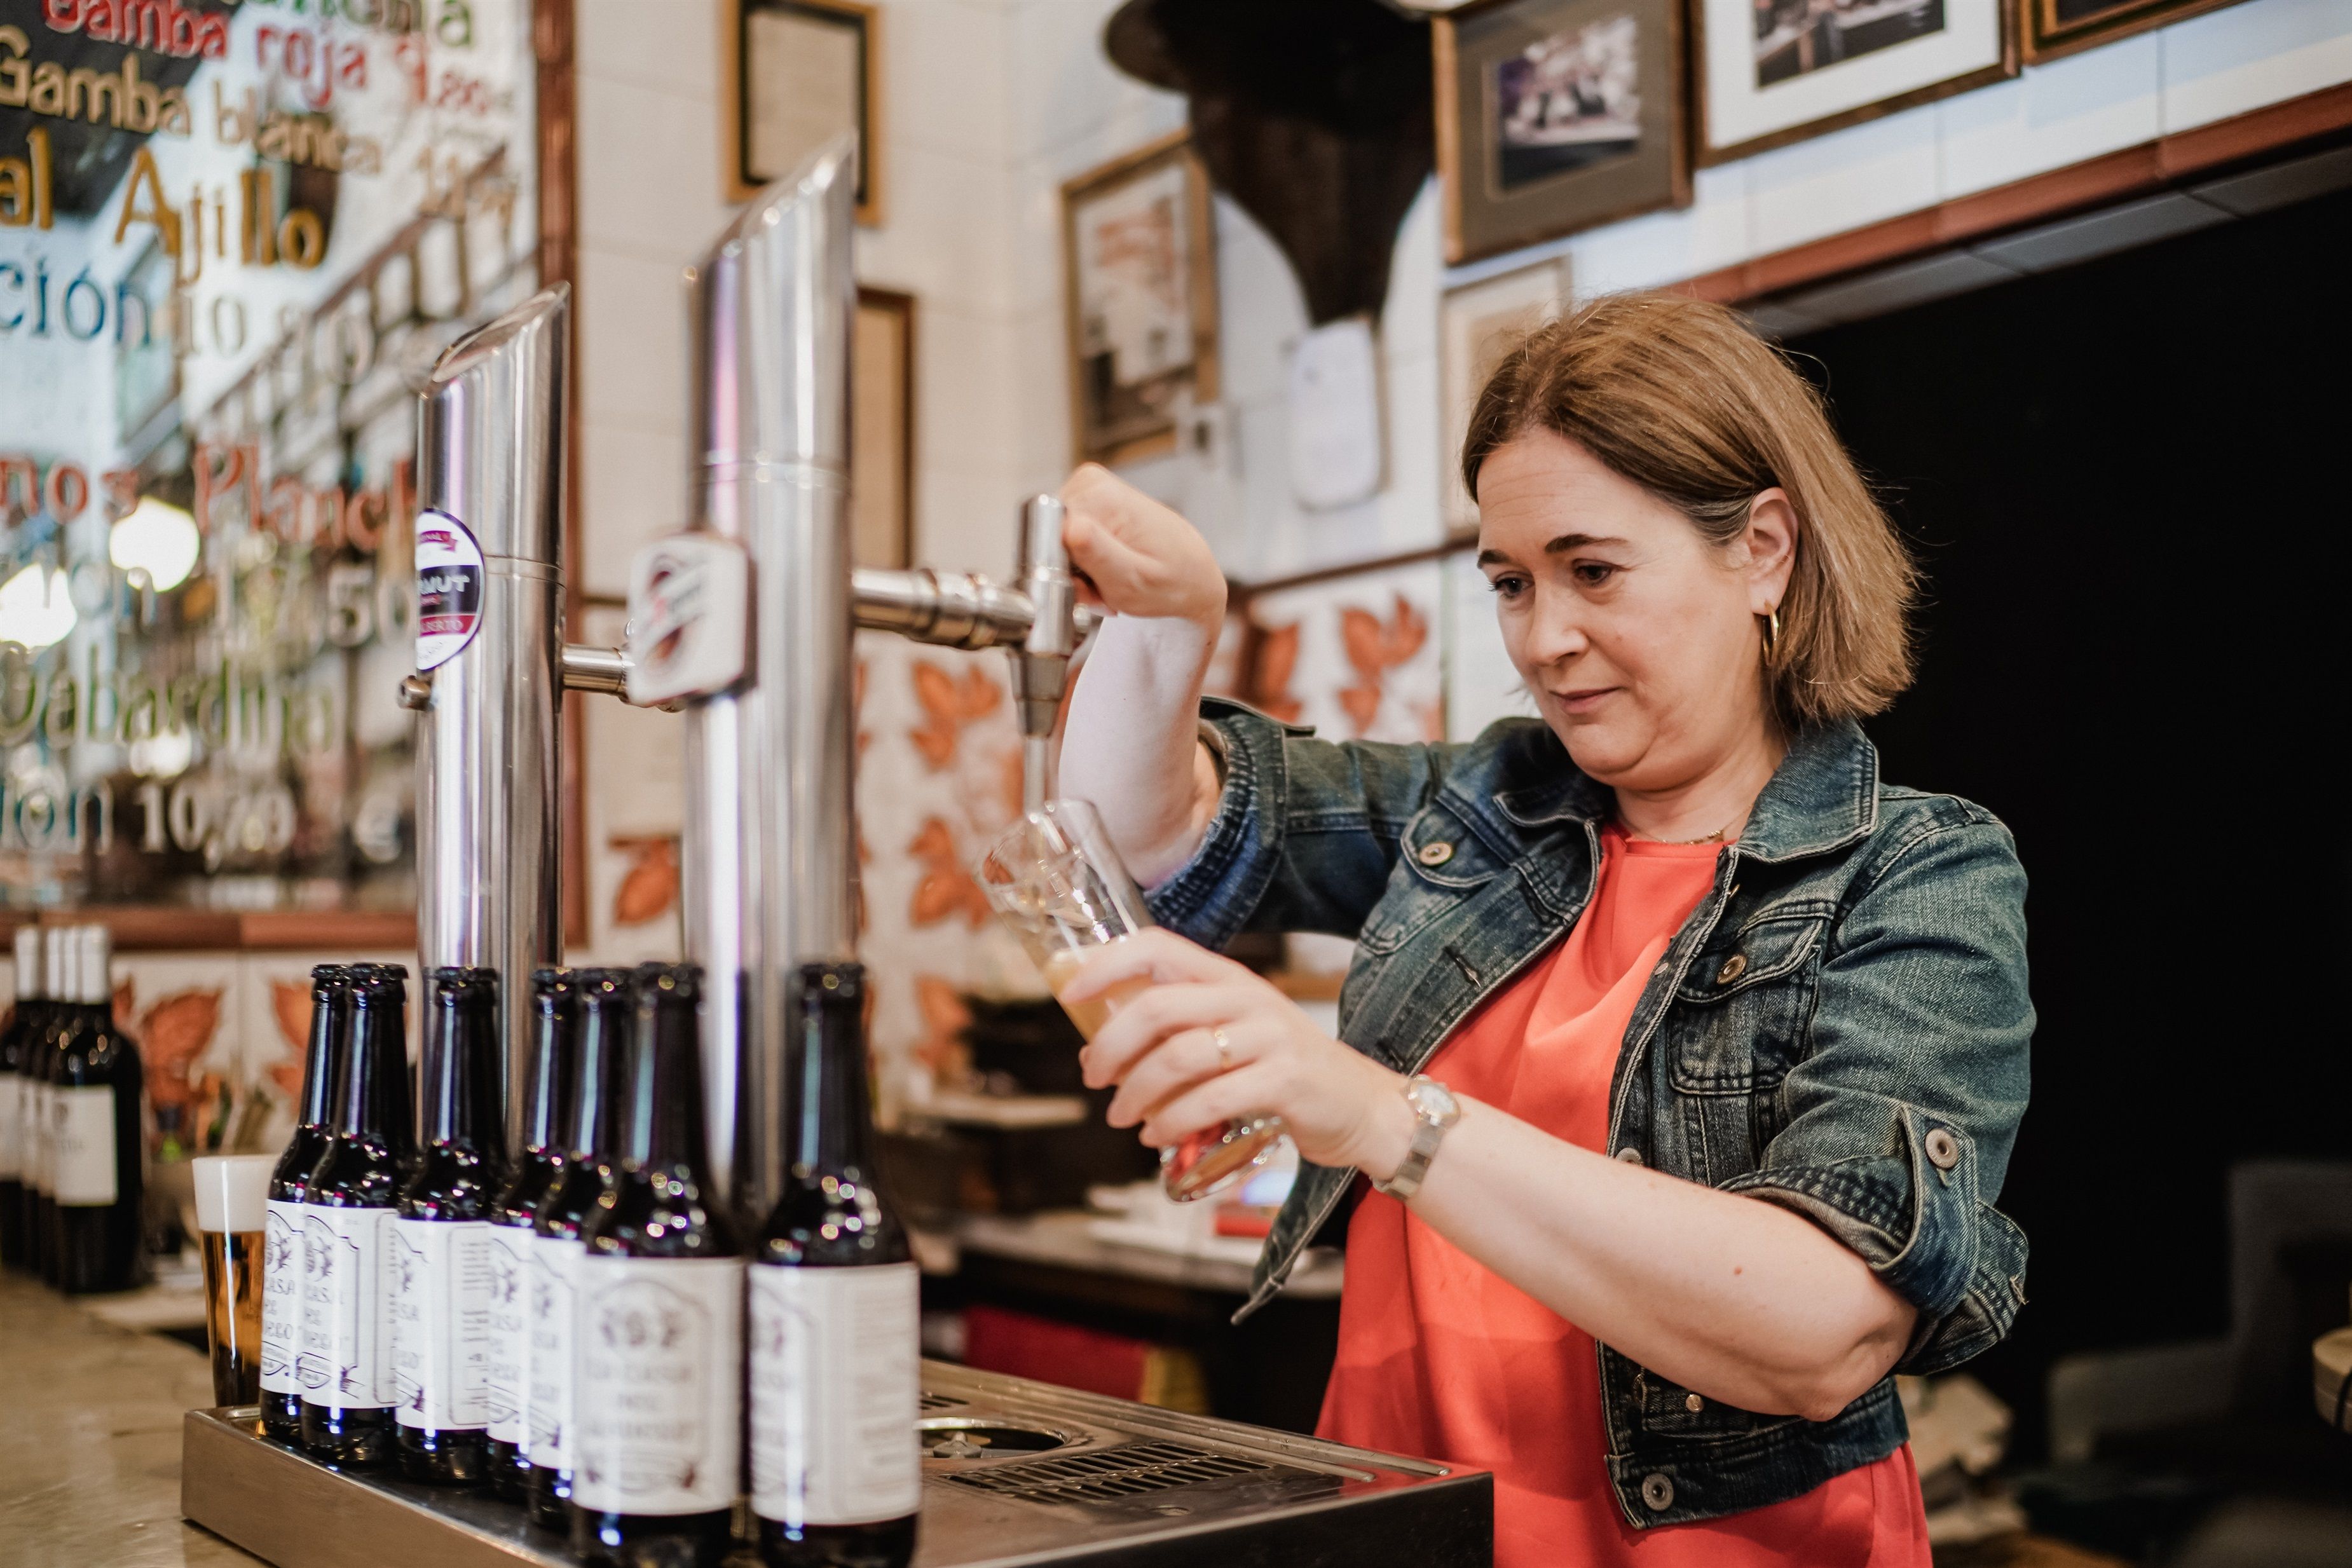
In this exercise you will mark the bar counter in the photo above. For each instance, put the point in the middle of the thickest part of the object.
(90, 1452)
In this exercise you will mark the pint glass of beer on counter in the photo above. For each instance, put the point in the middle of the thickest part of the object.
(232, 1202)
(1055, 880)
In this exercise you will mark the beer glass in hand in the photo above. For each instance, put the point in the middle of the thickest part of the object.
(1055, 879)
(232, 1197)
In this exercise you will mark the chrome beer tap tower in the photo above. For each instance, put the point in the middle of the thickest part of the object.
(744, 620)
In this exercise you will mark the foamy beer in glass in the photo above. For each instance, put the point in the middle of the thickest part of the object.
(232, 1194)
(1055, 879)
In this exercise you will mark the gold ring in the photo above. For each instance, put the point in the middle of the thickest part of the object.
(1224, 1048)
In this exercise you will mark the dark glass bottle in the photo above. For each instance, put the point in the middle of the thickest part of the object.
(40, 1210)
(660, 1412)
(606, 1004)
(24, 1020)
(834, 1314)
(98, 1162)
(281, 1270)
(348, 1207)
(441, 1240)
(547, 1096)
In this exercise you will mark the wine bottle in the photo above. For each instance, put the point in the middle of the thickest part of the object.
(281, 1280)
(441, 1239)
(348, 1207)
(24, 1018)
(40, 1129)
(547, 1095)
(98, 1175)
(658, 1459)
(836, 1476)
(605, 1004)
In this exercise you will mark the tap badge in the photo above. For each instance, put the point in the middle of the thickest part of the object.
(448, 589)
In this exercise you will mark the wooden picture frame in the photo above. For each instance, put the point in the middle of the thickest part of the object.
(1111, 420)
(882, 430)
(754, 30)
(1604, 78)
(1475, 324)
(2045, 32)
(1772, 91)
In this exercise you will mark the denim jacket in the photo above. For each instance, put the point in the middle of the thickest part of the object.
(1840, 1027)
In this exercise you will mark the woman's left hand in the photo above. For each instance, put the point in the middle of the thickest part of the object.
(1161, 1047)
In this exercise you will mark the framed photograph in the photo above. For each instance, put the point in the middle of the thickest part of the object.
(1140, 279)
(2048, 29)
(1477, 324)
(798, 73)
(1555, 116)
(1770, 72)
(882, 429)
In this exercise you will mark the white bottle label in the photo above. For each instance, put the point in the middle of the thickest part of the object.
(508, 1385)
(281, 1295)
(441, 1322)
(346, 1360)
(81, 1120)
(554, 1263)
(36, 1122)
(835, 1391)
(660, 1345)
(12, 1137)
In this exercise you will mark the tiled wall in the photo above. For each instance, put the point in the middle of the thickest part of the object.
(989, 106)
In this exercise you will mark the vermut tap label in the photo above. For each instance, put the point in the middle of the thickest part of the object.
(448, 589)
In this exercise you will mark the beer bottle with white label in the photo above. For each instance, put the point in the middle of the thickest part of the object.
(660, 1353)
(281, 1268)
(441, 1240)
(546, 1095)
(40, 1094)
(97, 1169)
(348, 1208)
(836, 1476)
(606, 1002)
(25, 1020)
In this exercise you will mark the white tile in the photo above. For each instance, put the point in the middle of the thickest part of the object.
(1038, 386)
(946, 240)
(650, 171)
(1066, 92)
(1842, 181)
(1481, 684)
(185, 1010)
(2248, 56)
(1408, 316)
(633, 348)
(966, 519)
(2071, 110)
(964, 416)
(1260, 310)
(1665, 248)
(1409, 498)
(667, 44)
(634, 483)
(947, 79)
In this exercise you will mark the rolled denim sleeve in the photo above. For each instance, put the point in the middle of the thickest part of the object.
(1305, 834)
(1896, 1127)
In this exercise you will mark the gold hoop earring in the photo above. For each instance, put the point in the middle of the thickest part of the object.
(1771, 619)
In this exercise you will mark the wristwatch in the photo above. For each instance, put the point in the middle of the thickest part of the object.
(1434, 1110)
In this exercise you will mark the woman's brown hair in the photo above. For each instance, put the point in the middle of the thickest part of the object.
(1684, 400)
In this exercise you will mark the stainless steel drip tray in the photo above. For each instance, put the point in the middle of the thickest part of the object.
(1015, 1473)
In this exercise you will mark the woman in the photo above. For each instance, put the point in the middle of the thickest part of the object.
(1684, 1057)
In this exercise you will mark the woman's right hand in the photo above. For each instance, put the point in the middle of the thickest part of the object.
(1138, 556)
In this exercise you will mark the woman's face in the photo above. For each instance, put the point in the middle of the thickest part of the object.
(1638, 638)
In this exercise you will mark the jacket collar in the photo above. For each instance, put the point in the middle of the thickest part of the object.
(1823, 795)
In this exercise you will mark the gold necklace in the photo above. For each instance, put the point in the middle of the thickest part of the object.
(1714, 838)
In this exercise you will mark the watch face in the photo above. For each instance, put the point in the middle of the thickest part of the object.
(1436, 1100)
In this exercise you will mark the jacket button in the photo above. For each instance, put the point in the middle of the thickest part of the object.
(1733, 967)
(1630, 1154)
(1436, 854)
(1658, 1492)
(1694, 1403)
(1943, 1149)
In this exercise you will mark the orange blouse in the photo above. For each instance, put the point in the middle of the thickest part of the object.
(1440, 1357)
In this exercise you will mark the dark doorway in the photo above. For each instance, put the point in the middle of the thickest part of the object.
(2126, 485)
